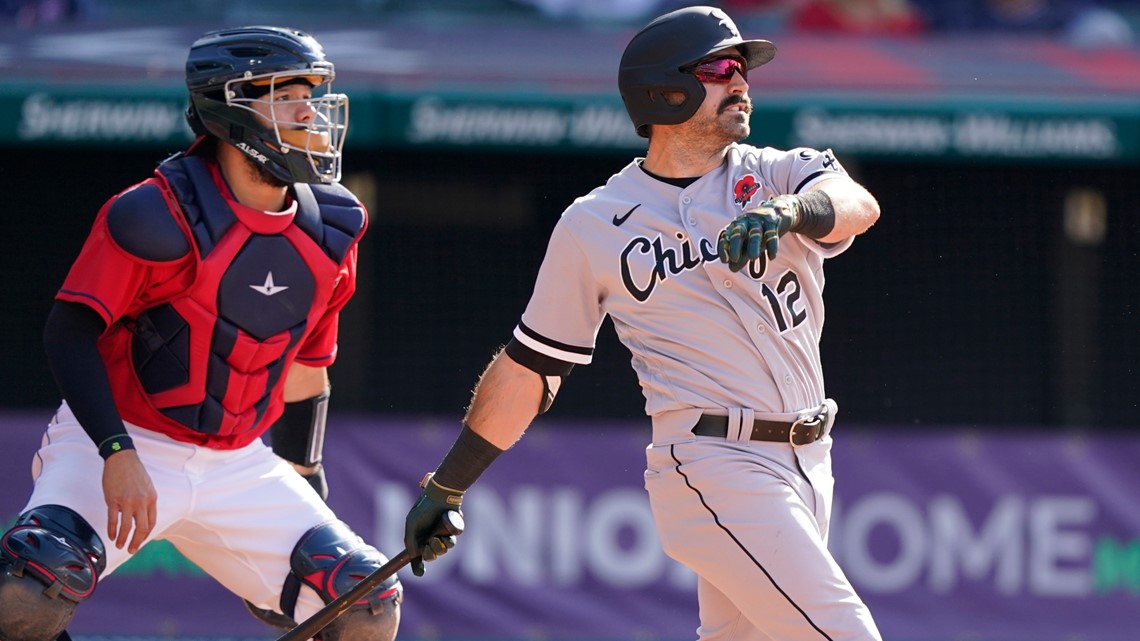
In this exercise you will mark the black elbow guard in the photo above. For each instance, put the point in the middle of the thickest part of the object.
(299, 435)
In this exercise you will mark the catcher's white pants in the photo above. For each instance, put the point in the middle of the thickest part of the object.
(237, 514)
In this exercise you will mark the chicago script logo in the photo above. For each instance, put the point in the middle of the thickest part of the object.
(667, 261)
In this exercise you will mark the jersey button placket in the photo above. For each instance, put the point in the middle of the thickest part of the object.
(686, 200)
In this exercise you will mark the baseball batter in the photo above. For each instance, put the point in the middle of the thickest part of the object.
(708, 255)
(201, 312)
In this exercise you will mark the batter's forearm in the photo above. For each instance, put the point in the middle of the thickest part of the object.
(506, 400)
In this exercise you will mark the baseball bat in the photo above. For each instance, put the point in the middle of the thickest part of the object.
(451, 525)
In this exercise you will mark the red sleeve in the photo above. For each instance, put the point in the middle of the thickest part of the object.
(110, 280)
(319, 349)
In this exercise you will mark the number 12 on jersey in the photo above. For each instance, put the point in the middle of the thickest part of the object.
(785, 297)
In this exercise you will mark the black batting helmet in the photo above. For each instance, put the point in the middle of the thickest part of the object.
(653, 61)
(230, 70)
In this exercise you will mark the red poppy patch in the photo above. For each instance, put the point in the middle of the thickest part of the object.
(745, 189)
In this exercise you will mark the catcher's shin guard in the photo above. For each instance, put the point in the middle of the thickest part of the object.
(49, 563)
(331, 559)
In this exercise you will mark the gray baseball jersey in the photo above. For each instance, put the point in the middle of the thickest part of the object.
(706, 340)
(644, 252)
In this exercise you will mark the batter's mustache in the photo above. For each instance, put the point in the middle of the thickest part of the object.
(736, 100)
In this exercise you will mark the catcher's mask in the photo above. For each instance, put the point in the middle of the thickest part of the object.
(659, 57)
(231, 72)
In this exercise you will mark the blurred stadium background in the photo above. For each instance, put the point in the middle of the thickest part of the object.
(982, 340)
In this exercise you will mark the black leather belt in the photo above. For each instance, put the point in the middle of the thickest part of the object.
(801, 432)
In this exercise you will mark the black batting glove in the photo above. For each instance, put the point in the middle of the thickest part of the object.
(756, 233)
(424, 520)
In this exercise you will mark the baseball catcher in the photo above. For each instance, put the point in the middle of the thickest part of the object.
(201, 312)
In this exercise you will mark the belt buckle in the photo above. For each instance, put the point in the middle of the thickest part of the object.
(814, 424)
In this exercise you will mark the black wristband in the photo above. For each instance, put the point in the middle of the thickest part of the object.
(816, 215)
(115, 444)
(469, 456)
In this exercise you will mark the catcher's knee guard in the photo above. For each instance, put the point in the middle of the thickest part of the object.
(331, 559)
(49, 563)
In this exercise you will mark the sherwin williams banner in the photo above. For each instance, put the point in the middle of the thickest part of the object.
(947, 534)
(943, 128)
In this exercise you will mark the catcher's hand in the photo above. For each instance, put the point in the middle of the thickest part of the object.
(756, 233)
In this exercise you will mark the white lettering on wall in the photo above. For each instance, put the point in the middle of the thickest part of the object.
(46, 118)
(996, 545)
(904, 522)
(1059, 562)
(886, 542)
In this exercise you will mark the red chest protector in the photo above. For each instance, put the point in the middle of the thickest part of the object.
(207, 364)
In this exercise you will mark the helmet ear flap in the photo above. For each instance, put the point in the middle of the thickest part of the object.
(195, 121)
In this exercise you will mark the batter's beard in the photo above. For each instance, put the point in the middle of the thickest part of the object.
(737, 132)
(716, 130)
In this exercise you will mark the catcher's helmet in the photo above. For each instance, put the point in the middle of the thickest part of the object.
(653, 61)
(228, 71)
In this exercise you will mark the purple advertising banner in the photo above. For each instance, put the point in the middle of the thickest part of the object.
(947, 535)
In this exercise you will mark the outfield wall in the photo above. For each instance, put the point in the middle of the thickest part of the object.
(950, 534)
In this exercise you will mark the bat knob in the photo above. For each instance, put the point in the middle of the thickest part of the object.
(452, 523)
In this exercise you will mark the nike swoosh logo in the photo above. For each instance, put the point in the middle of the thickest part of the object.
(618, 220)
